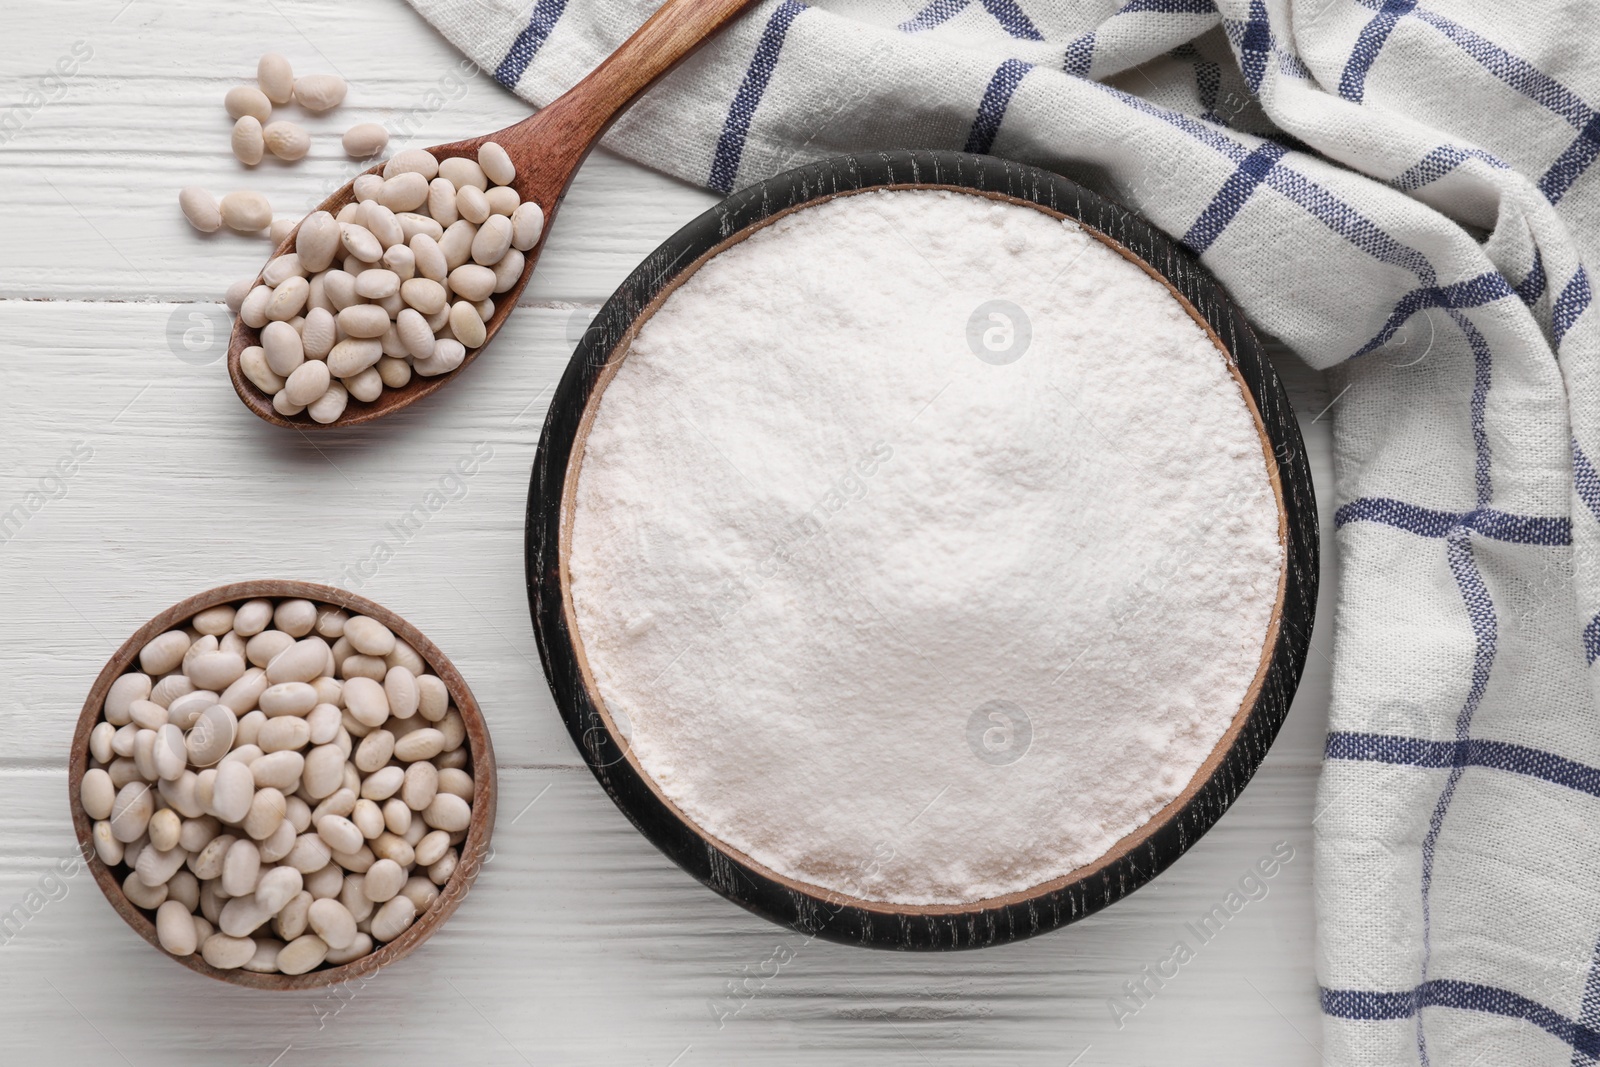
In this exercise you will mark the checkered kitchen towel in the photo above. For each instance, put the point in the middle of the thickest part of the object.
(1403, 191)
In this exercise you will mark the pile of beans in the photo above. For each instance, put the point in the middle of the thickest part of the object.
(283, 785)
(401, 282)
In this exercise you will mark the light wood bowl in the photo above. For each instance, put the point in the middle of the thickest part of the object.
(811, 909)
(474, 849)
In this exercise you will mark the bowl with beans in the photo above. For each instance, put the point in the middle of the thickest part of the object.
(282, 785)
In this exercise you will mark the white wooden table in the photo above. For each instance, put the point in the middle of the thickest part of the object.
(580, 943)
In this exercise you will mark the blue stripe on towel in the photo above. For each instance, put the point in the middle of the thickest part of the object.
(1429, 522)
(992, 109)
(1353, 82)
(1571, 304)
(1231, 197)
(1464, 996)
(1531, 288)
(1474, 752)
(1571, 163)
(736, 127)
(1007, 13)
(546, 13)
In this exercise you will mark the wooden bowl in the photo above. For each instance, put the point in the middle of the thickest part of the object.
(474, 849)
(811, 909)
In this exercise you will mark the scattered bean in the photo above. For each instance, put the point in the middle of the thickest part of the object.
(364, 139)
(276, 78)
(248, 142)
(200, 208)
(319, 92)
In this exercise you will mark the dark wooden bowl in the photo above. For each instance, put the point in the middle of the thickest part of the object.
(474, 849)
(815, 911)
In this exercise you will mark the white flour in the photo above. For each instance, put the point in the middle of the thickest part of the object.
(900, 621)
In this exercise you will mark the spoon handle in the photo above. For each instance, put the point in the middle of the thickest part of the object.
(577, 118)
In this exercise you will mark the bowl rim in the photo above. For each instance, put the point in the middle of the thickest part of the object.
(474, 848)
(812, 909)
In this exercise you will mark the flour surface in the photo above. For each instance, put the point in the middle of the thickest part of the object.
(892, 608)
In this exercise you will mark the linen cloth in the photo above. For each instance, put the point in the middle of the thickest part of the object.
(1404, 192)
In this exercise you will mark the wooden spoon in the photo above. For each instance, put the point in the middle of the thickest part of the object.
(547, 149)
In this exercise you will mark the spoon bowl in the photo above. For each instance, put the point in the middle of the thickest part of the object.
(547, 149)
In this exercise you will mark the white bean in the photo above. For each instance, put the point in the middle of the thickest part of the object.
(288, 733)
(164, 652)
(171, 754)
(462, 172)
(364, 139)
(200, 208)
(400, 259)
(503, 200)
(393, 919)
(448, 354)
(319, 92)
(442, 201)
(333, 922)
(275, 77)
(232, 791)
(496, 163)
(472, 281)
(253, 311)
(431, 262)
(249, 144)
(317, 241)
(215, 670)
(374, 751)
(508, 271)
(241, 869)
(288, 299)
(413, 159)
(366, 700)
(280, 770)
(242, 916)
(448, 812)
(283, 349)
(308, 382)
(404, 192)
(467, 324)
(131, 810)
(96, 793)
(352, 356)
(394, 372)
(456, 244)
(286, 140)
(244, 100)
(254, 616)
(301, 661)
(246, 211)
(154, 867)
(527, 223)
(376, 284)
(365, 385)
(471, 203)
(175, 928)
(324, 771)
(302, 954)
(253, 364)
(227, 953)
(383, 224)
(360, 242)
(123, 692)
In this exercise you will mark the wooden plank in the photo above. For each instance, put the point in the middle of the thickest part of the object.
(581, 943)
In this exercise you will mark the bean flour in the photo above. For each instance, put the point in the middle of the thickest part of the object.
(923, 547)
